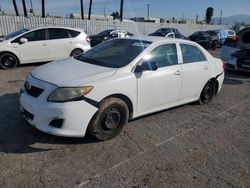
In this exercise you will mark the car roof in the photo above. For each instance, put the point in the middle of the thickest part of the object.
(155, 39)
(47, 27)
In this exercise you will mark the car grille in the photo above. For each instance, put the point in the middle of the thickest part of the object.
(32, 90)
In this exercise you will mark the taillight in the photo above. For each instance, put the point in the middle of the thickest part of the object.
(88, 39)
(223, 66)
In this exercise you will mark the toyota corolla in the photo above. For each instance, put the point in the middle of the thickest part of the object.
(116, 81)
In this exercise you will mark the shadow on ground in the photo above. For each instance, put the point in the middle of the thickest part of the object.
(17, 136)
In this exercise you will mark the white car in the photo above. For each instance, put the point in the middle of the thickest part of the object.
(41, 45)
(115, 81)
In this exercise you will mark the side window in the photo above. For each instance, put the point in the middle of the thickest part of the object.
(55, 33)
(37, 35)
(73, 33)
(191, 54)
(164, 55)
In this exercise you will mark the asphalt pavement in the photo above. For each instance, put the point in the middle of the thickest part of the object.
(188, 146)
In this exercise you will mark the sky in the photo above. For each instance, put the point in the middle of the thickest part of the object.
(138, 8)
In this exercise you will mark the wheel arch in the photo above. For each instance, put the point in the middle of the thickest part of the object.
(9, 52)
(76, 48)
(126, 99)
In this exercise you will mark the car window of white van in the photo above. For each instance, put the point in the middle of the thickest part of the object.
(32, 36)
(56, 33)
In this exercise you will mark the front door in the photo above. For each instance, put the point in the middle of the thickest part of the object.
(36, 49)
(160, 88)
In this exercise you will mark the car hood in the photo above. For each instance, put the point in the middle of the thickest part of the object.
(71, 72)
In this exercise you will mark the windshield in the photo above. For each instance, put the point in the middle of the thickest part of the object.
(16, 33)
(114, 53)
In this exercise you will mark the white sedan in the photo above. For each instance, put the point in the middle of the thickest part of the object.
(41, 45)
(118, 80)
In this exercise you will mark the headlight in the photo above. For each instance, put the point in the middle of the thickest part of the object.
(69, 94)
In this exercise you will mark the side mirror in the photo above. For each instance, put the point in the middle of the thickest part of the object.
(146, 66)
(23, 40)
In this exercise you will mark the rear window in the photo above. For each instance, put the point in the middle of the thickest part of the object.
(73, 33)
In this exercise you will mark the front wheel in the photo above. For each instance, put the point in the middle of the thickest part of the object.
(110, 119)
(207, 93)
(8, 61)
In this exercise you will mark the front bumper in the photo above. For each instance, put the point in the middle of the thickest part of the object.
(40, 113)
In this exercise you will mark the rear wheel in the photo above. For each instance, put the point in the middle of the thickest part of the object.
(8, 61)
(207, 93)
(76, 52)
(110, 119)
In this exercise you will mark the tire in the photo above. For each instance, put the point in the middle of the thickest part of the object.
(110, 119)
(76, 52)
(8, 61)
(207, 93)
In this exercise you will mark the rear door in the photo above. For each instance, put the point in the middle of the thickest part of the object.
(195, 71)
(60, 43)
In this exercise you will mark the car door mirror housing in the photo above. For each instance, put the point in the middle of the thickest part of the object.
(23, 40)
(146, 66)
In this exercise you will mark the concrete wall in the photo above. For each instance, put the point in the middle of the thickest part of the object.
(9, 24)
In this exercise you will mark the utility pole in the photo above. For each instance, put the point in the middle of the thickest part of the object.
(24, 8)
(90, 7)
(82, 13)
(15, 7)
(220, 17)
(104, 11)
(148, 5)
(31, 7)
(121, 10)
(43, 9)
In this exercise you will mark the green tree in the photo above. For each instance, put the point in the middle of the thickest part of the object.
(209, 14)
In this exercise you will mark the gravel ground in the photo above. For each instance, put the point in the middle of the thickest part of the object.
(189, 146)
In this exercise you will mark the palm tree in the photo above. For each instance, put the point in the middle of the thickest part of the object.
(121, 10)
(209, 14)
(90, 7)
(24, 8)
(15, 7)
(43, 9)
(82, 13)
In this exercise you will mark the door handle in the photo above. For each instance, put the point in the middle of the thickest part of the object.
(205, 68)
(177, 73)
(44, 44)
